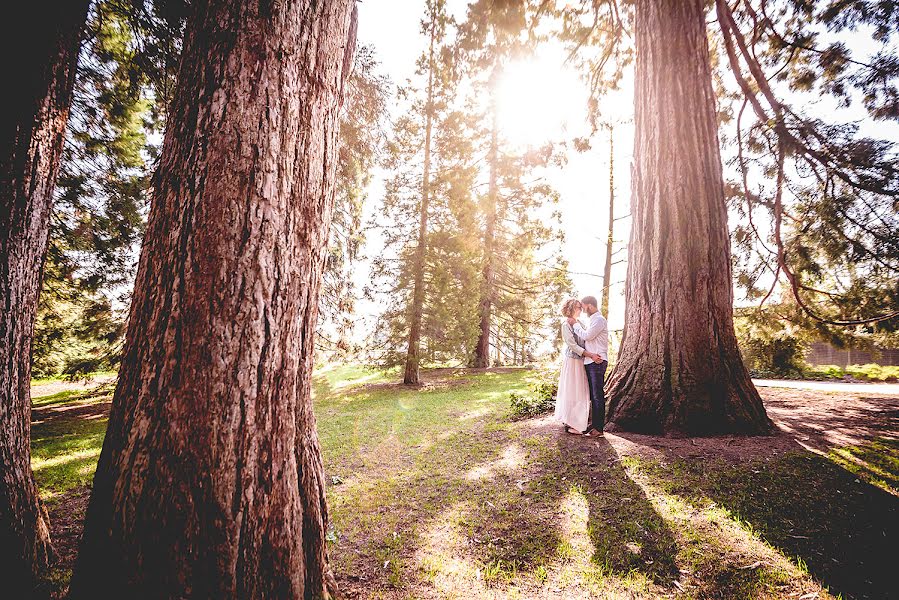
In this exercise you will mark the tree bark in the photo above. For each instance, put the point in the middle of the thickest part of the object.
(210, 481)
(482, 349)
(40, 49)
(679, 371)
(607, 268)
(411, 376)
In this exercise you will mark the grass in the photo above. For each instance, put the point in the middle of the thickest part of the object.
(436, 491)
(66, 437)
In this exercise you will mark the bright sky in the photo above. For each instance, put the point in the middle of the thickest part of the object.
(539, 100)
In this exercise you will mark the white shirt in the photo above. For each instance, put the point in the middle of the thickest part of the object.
(595, 336)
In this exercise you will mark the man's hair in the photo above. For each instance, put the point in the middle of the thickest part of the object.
(591, 300)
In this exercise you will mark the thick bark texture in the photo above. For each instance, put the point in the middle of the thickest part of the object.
(411, 375)
(679, 371)
(40, 49)
(210, 481)
(482, 349)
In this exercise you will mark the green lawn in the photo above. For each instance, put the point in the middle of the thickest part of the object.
(437, 492)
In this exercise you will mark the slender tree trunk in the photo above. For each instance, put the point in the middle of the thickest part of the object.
(411, 376)
(40, 49)
(607, 269)
(679, 371)
(210, 481)
(482, 349)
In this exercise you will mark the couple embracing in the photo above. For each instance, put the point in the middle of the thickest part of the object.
(581, 399)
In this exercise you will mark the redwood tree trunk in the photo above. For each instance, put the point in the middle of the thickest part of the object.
(40, 50)
(679, 371)
(210, 481)
(411, 375)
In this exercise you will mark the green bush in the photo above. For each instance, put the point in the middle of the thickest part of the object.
(869, 372)
(781, 355)
(873, 372)
(539, 399)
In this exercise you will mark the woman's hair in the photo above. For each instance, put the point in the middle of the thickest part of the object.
(570, 306)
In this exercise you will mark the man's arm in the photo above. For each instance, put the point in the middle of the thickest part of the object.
(593, 331)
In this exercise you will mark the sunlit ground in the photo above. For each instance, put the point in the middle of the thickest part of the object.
(435, 492)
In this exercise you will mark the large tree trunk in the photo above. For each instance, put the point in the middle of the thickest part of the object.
(411, 376)
(482, 349)
(40, 50)
(210, 481)
(679, 371)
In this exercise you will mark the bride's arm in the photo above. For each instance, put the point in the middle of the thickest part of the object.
(569, 340)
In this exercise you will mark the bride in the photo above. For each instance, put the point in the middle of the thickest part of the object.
(573, 397)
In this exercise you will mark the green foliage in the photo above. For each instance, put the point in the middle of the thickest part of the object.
(540, 398)
(839, 183)
(870, 372)
(125, 73)
(771, 347)
(359, 147)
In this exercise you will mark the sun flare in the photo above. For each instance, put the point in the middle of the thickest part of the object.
(539, 100)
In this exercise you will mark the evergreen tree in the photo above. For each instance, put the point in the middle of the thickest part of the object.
(771, 51)
(360, 144)
(429, 314)
(521, 275)
(122, 85)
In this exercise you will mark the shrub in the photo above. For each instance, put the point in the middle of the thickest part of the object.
(869, 372)
(873, 372)
(539, 399)
(780, 355)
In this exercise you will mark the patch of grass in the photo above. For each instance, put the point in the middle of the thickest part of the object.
(66, 438)
(876, 462)
(62, 377)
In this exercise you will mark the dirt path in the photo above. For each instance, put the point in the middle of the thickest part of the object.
(872, 389)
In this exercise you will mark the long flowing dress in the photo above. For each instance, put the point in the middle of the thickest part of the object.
(573, 397)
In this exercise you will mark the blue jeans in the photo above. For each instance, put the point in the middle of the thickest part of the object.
(596, 377)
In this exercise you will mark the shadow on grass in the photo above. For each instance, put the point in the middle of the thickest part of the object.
(495, 507)
(809, 507)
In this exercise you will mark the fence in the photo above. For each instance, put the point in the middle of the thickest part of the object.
(822, 353)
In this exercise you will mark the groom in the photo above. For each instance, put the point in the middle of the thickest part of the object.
(596, 340)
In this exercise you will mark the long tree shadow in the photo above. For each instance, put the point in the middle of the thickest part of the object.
(807, 506)
(495, 501)
(627, 533)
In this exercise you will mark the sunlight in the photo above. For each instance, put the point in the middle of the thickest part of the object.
(513, 458)
(539, 100)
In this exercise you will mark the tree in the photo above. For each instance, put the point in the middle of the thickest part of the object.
(830, 191)
(360, 148)
(428, 266)
(435, 17)
(40, 44)
(679, 370)
(123, 80)
(210, 480)
(518, 228)
(610, 237)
